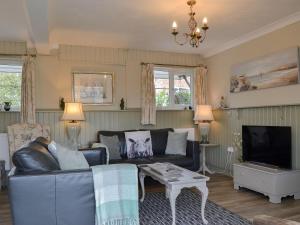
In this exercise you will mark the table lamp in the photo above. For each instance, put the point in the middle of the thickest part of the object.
(73, 113)
(204, 116)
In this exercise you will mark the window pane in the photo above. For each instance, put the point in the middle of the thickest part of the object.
(161, 80)
(162, 97)
(10, 88)
(182, 89)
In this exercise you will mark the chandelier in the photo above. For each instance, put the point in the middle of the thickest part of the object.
(195, 36)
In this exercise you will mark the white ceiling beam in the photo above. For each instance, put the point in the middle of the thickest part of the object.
(36, 12)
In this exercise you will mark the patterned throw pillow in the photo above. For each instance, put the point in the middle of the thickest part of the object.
(113, 144)
(138, 144)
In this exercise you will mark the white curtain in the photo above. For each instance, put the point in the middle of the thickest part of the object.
(200, 86)
(148, 95)
(28, 91)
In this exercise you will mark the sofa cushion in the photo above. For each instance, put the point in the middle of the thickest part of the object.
(113, 145)
(177, 143)
(178, 160)
(139, 144)
(68, 159)
(159, 139)
(34, 158)
(42, 141)
(121, 136)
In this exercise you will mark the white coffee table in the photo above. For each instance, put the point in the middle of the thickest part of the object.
(187, 179)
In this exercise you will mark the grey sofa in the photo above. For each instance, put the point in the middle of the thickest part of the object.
(41, 194)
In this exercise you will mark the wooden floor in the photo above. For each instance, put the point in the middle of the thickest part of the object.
(244, 202)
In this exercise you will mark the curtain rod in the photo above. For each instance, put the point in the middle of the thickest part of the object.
(159, 64)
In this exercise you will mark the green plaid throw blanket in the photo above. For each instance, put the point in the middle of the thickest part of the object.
(116, 194)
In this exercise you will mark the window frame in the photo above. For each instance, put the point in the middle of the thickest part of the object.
(12, 62)
(172, 72)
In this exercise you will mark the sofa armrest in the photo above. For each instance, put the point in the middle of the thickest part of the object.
(269, 220)
(193, 151)
(94, 156)
(58, 197)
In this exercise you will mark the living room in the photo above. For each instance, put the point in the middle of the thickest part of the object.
(154, 80)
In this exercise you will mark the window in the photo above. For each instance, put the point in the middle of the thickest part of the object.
(10, 83)
(173, 87)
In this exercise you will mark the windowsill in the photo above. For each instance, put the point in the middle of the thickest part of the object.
(10, 111)
(173, 109)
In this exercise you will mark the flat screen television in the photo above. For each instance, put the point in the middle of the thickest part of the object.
(267, 145)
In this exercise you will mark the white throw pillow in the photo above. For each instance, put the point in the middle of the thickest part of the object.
(177, 143)
(139, 144)
(68, 159)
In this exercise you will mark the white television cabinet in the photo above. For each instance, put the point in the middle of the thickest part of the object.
(274, 183)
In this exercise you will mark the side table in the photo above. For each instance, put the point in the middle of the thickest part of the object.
(2, 174)
(203, 168)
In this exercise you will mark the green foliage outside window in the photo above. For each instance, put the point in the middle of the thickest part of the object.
(10, 88)
(162, 98)
(183, 97)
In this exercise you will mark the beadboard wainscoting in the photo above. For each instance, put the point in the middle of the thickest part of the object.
(102, 120)
(231, 120)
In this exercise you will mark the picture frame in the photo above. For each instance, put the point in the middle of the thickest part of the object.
(93, 88)
(270, 71)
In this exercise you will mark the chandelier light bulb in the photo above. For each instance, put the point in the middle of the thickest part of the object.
(204, 21)
(174, 25)
(197, 30)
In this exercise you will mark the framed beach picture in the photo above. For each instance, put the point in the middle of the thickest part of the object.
(275, 70)
(93, 88)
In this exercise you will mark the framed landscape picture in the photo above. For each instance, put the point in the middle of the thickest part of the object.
(279, 69)
(93, 88)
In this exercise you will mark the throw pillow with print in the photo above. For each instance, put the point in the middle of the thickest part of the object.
(138, 144)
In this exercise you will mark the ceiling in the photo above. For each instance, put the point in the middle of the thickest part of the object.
(140, 24)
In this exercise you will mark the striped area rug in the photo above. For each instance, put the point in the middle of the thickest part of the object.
(156, 210)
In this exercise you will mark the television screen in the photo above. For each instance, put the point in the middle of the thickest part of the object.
(267, 145)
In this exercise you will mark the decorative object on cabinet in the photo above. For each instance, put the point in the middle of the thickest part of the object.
(223, 104)
(93, 88)
(7, 106)
(122, 104)
(62, 103)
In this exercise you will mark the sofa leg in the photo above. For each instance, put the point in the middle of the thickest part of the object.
(297, 196)
(236, 186)
(275, 199)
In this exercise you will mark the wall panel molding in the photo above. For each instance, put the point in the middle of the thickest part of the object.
(101, 120)
(229, 121)
(13, 47)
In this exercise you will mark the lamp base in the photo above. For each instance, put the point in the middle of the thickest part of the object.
(73, 130)
(204, 131)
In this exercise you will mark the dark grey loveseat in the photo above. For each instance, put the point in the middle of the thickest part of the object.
(159, 138)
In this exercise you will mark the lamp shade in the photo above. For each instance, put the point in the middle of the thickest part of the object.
(73, 111)
(203, 113)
